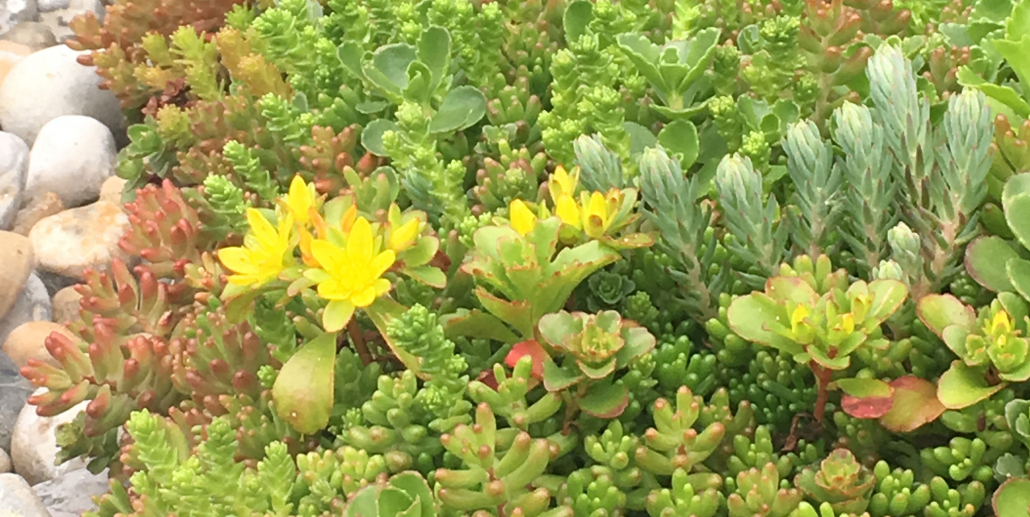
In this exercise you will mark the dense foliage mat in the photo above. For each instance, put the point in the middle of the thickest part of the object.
(571, 258)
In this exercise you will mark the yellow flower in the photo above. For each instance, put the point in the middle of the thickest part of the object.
(599, 211)
(561, 183)
(354, 275)
(1001, 324)
(798, 317)
(522, 218)
(404, 236)
(568, 211)
(847, 323)
(300, 200)
(264, 250)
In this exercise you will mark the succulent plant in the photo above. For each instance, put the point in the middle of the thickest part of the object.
(840, 480)
(758, 492)
(405, 493)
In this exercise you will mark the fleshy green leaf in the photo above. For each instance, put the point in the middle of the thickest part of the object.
(463, 107)
(1012, 498)
(938, 311)
(372, 135)
(866, 398)
(915, 405)
(680, 138)
(962, 386)
(605, 400)
(303, 390)
(985, 259)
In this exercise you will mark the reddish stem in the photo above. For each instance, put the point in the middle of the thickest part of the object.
(823, 376)
(359, 342)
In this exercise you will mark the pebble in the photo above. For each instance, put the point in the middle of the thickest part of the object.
(14, 391)
(11, 54)
(57, 85)
(34, 444)
(14, 165)
(72, 156)
(35, 35)
(18, 500)
(55, 282)
(66, 305)
(71, 494)
(28, 341)
(84, 238)
(17, 258)
(59, 13)
(33, 304)
(37, 209)
(5, 462)
(16, 11)
(112, 189)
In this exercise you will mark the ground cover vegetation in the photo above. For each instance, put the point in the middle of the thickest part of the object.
(563, 258)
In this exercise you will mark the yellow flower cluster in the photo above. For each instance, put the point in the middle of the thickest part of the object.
(593, 214)
(348, 272)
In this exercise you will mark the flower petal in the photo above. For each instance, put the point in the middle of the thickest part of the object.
(334, 289)
(337, 315)
(360, 242)
(382, 286)
(300, 199)
(238, 260)
(330, 257)
(261, 228)
(365, 297)
(522, 219)
(381, 263)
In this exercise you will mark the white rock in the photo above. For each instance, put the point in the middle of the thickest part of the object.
(33, 304)
(14, 165)
(5, 462)
(18, 500)
(34, 444)
(51, 83)
(71, 494)
(82, 238)
(45, 6)
(16, 11)
(72, 156)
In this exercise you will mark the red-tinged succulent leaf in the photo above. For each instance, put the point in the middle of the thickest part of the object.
(531, 348)
(962, 386)
(915, 404)
(605, 400)
(487, 377)
(1012, 498)
(938, 311)
(983, 258)
(866, 398)
(303, 391)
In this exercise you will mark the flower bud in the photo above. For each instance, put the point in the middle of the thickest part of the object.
(903, 240)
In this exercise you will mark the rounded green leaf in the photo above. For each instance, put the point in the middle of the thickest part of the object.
(1019, 274)
(605, 400)
(372, 135)
(866, 398)
(463, 107)
(1012, 498)
(985, 259)
(1017, 213)
(939, 311)
(303, 390)
(680, 137)
(962, 386)
(915, 404)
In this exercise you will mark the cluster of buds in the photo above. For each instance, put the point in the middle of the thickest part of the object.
(591, 216)
(331, 154)
(165, 230)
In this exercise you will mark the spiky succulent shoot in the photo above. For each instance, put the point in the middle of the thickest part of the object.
(674, 443)
(758, 491)
(490, 478)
